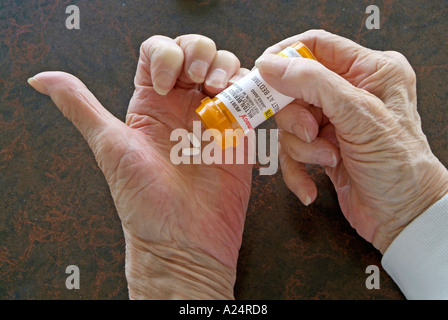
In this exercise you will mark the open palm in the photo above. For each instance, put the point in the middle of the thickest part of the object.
(187, 206)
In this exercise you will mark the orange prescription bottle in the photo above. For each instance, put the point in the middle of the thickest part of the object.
(246, 104)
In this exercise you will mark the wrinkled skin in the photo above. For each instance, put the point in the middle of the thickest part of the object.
(356, 114)
(180, 207)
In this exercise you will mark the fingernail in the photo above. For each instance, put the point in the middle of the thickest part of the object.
(217, 79)
(307, 200)
(197, 71)
(163, 82)
(307, 136)
(298, 130)
(37, 85)
(326, 158)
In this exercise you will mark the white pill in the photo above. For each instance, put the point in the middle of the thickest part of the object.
(194, 140)
(190, 152)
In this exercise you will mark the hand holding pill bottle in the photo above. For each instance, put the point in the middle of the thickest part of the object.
(246, 104)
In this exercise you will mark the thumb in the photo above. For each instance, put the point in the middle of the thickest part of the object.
(345, 105)
(97, 125)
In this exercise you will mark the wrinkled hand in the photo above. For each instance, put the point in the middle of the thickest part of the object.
(356, 115)
(183, 224)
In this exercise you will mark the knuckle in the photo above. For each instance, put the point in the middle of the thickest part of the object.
(206, 41)
(169, 52)
(148, 43)
(152, 45)
(398, 62)
(226, 57)
(164, 53)
(365, 101)
(201, 42)
(144, 47)
(317, 32)
(224, 54)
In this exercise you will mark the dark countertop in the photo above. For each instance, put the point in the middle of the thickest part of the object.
(55, 206)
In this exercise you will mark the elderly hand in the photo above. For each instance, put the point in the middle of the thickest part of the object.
(182, 224)
(355, 114)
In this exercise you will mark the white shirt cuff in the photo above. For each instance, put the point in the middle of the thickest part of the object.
(417, 259)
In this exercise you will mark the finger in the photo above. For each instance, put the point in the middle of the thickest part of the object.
(328, 132)
(377, 72)
(239, 75)
(297, 179)
(342, 184)
(224, 66)
(160, 64)
(199, 54)
(346, 106)
(320, 151)
(298, 120)
(97, 125)
(341, 55)
(395, 83)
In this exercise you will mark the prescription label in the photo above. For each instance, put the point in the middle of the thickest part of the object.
(251, 100)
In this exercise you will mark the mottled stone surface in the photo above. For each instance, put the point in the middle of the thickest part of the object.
(55, 206)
